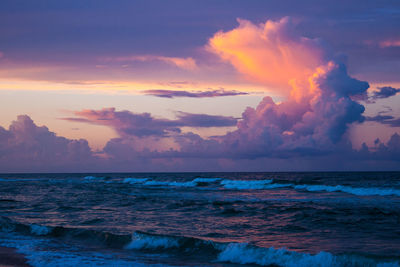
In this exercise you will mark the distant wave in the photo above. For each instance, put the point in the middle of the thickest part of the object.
(245, 184)
(359, 191)
(134, 180)
(229, 184)
(192, 183)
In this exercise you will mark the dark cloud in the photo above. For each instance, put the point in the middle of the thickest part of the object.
(385, 119)
(385, 92)
(194, 94)
(127, 123)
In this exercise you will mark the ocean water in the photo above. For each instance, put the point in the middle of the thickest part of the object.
(203, 219)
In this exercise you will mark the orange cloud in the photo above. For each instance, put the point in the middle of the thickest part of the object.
(270, 53)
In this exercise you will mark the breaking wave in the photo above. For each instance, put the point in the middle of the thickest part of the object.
(238, 253)
(243, 253)
(359, 191)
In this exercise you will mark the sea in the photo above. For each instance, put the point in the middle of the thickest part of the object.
(203, 219)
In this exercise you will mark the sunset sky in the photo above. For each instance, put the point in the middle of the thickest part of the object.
(199, 85)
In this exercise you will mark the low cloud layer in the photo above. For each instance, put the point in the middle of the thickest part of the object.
(31, 148)
(385, 119)
(193, 94)
(126, 123)
(187, 63)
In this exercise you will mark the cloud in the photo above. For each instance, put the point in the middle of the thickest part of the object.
(204, 120)
(319, 105)
(389, 43)
(127, 123)
(26, 146)
(194, 94)
(309, 125)
(312, 120)
(187, 63)
(385, 119)
(271, 53)
(384, 92)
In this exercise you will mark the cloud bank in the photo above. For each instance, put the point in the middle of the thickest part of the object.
(187, 63)
(193, 94)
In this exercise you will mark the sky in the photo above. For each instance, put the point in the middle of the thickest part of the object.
(143, 86)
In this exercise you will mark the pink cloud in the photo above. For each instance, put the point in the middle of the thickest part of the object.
(390, 43)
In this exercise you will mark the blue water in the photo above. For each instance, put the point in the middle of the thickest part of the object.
(202, 219)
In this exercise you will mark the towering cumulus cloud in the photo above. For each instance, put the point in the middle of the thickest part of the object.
(318, 90)
(26, 146)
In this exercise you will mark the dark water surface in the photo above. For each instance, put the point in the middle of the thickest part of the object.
(203, 219)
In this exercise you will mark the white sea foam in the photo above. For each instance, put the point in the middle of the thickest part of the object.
(134, 180)
(143, 241)
(173, 183)
(206, 180)
(246, 254)
(148, 182)
(359, 191)
(245, 184)
(40, 230)
(91, 178)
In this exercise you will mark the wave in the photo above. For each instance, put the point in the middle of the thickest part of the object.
(243, 253)
(245, 184)
(134, 180)
(237, 253)
(145, 241)
(40, 229)
(22, 179)
(359, 191)
(193, 183)
(40, 253)
(269, 184)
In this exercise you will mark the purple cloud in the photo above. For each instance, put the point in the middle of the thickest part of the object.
(26, 146)
(194, 94)
(127, 123)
